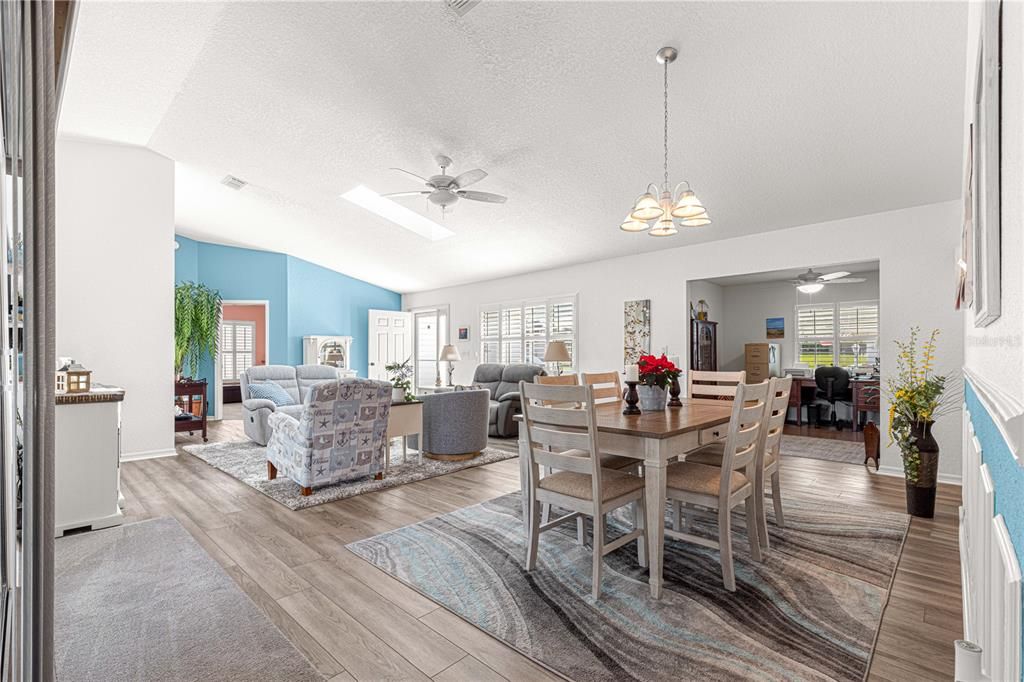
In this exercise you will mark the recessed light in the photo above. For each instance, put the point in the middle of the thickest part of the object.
(362, 195)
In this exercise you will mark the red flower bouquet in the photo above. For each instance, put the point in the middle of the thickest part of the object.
(659, 372)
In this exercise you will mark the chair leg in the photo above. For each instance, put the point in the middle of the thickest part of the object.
(677, 516)
(598, 542)
(581, 531)
(777, 500)
(271, 471)
(725, 545)
(762, 514)
(533, 537)
(640, 523)
(306, 491)
(753, 527)
(546, 513)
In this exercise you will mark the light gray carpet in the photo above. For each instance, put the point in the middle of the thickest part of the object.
(247, 462)
(823, 448)
(146, 602)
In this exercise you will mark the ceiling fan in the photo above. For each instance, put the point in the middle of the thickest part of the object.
(812, 282)
(445, 190)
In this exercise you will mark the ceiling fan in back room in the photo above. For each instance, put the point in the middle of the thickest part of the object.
(812, 282)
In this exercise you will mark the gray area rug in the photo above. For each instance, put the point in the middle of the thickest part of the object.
(247, 461)
(146, 602)
(823, 448)
(810, 611)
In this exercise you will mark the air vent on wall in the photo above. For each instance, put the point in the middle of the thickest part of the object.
(462, 6)
(233, 182)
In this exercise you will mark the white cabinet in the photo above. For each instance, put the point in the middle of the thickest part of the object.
(88, 460)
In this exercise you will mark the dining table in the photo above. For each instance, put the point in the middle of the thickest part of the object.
(655, 438)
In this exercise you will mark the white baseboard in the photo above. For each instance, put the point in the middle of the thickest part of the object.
(147, 454)
(951, 479)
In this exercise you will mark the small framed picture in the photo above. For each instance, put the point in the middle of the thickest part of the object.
(775, 328)
(463, 333)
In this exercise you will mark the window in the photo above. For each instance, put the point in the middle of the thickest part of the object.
(520, 332)
(236, 348)
(431, 329)
(842, 334)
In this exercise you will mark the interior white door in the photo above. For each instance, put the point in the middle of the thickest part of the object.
(390, 340)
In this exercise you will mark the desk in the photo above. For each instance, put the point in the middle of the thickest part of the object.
(655, 438)
(406, 419)
(866, 397)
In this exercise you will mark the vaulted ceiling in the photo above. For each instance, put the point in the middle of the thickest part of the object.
(782, 114)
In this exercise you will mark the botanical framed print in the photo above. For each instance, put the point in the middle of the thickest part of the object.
(636, 330)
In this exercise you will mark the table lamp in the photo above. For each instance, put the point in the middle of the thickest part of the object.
(450, 354)
(557, 352)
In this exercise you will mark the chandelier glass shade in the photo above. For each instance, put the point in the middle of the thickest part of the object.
(656, 211)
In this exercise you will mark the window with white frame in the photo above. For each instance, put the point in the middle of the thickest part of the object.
(237, 348)
(841, 334)
(519, 332)
(431, 334)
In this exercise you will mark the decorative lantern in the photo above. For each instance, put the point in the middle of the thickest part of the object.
(702, 309)
(73, 378)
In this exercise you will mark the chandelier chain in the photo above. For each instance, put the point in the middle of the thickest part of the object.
(666, 125)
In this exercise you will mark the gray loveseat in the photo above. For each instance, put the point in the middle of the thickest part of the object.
(503, 383)
(296, 381)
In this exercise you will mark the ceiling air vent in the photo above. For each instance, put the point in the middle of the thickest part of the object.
(461, 6)
(233, 182)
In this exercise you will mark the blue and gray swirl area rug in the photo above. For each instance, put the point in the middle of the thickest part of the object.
(809, 611)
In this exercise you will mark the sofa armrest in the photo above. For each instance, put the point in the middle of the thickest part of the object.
(253, 404)
(511, 395)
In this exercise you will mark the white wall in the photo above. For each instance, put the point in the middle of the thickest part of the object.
(745, 308)
(115, 279)
(915, 248)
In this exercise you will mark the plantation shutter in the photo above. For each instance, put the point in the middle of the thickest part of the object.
(858, 333)
(816, 329)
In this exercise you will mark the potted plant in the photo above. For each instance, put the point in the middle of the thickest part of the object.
(656, 375)
(401, 380)
(917, 397)
(196, 326)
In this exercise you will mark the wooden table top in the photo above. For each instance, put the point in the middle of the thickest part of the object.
(694, 415)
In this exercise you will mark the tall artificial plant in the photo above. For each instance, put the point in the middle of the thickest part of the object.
(196, 325)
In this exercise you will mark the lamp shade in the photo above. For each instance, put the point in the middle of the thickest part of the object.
(646, 208)
(664, 228)
(631, 225)
(696, 221)
(812, 288)
(688, 206)
(450, 354)
(557, 351)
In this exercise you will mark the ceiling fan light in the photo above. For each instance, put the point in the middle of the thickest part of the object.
(646, 208)
(810, 288)
(688, 206)
(664, 228)
(631, 225)
(696, 221)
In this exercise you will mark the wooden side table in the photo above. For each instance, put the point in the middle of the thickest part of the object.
(406, 419)
(191, 395)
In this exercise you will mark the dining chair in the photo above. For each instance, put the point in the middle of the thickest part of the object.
(560, 380)
(723, 487)
(702, 385)
(607, 387)
(567, 441)
(768, 454)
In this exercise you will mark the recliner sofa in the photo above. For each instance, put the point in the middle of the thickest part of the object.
(296, 381)
(503, 383)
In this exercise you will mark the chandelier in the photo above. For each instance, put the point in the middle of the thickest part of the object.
(656, 212)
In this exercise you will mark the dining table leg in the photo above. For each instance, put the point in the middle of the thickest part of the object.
(654, 478)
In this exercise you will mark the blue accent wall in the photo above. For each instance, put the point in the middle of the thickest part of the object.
(305, 299)
(1007, 474)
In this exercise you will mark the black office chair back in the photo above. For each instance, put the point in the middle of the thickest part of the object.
(832, 381)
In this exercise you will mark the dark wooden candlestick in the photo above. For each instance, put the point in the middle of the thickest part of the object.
(674, 392)
(632, 398)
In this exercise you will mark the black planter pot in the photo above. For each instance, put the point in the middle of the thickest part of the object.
(921, 496)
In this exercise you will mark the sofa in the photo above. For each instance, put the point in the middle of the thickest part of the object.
(502, 381)
(455, 424)
(297, 383)
(339, 435)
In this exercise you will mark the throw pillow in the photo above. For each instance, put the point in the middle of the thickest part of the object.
(270, 391)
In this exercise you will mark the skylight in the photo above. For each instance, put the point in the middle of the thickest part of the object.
(399, 215)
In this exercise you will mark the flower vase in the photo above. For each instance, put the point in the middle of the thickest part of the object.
(921, 495)
(652, 398)
(397, 395)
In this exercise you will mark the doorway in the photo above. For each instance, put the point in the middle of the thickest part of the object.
(244, 342)
(390, 340)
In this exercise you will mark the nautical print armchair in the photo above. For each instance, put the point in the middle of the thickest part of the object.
(339, 436)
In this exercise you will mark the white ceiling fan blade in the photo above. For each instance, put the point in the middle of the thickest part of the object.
(833, 275)
(482, 196)
(847, 280)
(402, 170)
(407, 194)
(469, 177)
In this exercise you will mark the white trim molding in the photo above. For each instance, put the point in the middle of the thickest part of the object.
(147, 454)
(1006, 411)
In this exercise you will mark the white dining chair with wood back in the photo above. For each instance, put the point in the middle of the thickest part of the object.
(768, 453)
(720, 488)
(558, 380)
(567, 442)
(607, 386)
(703, 385)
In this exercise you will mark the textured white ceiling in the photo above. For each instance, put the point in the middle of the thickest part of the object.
(782, 114)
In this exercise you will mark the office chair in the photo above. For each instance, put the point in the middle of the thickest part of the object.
(833, 387)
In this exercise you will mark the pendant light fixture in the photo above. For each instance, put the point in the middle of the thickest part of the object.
(666, 206)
